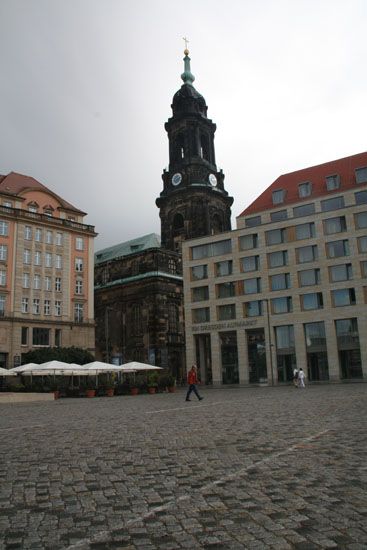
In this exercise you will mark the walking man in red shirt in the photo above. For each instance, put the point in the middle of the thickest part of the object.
(192, 380)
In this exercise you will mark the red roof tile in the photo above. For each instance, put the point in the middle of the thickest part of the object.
(15, 184)
(345, 167)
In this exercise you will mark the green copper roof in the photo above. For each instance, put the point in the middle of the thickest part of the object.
(187, 75)
(129, 247)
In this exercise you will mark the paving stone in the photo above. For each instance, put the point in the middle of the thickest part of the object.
(241, 471)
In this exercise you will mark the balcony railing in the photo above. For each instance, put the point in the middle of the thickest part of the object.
(26, 215)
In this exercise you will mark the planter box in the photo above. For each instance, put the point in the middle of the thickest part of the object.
(134, 391)
(90, 393)
(152, 390)
(110, 392)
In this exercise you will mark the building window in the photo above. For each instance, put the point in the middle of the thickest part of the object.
(349, 348)
(79, 264)
(79, 243)
(284, 337)
(3, 252)
(227, 312)
(332, 204)
(201, 315)
(26, 256)
(2, 305)
(200, 293)
(223, 268)
(317, 361)
(305, 231)
(33, 208)
(333, 182)
(364, 269)
(275, 236)
(2, 277)
(27, 233)
(58, 240)
(281, 305)
(226, 290)
(38, 235)
(36, 306)
(25, 305)
(24, 337)
(58, 337)
(281, 281)
(304, 189)
(252, 286)
(199, 272)
(361, 175)
(58, 261)
(41, 337)
(246, 242)
(343, 272)
(361, 197)
(253, 308)
(309, 277)
(250, 263)
(212, 249)
(278, 259)
(37, 281)
(58, 284)
(48, 259)
(278, 215)
(47, 307)
(26, 280)
(79, 286)
(343, 297)
(173, 318)
(307, 254)
(362, 244)
(37, 258)
(336, 249)
(253, 222)
(8, 204)
(4, 228)
(313, 300)
(47, 283)
(278, 196)
(172, 267)
(303, 210)
(78, 313)
(49, 237)
(335, 225)
(360, 220)
(57, 308)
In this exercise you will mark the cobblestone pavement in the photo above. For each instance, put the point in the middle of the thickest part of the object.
(244, 468)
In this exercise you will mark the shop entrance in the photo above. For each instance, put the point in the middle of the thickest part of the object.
(204, 357)
(229, 355)
(256, 356)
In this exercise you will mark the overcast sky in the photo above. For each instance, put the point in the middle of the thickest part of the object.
(86, 87)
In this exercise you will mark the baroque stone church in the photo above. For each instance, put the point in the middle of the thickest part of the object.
(138, 284)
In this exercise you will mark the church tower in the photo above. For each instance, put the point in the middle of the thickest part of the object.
(193, 202)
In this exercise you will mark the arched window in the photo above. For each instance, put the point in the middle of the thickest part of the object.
(180, 147)
(178, 224)
(204, 147)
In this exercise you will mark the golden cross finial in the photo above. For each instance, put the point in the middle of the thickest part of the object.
(186, 52)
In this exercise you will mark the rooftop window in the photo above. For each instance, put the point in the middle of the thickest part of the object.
(332, 182)
(361, 175)
(278, 196)
(252, 222)
(304, 189)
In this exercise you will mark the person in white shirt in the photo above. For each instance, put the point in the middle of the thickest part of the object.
(295, 377)
(301, 378)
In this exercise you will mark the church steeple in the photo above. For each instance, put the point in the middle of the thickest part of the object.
(193, 202)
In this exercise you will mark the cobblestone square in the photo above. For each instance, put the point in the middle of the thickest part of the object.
(244, 468)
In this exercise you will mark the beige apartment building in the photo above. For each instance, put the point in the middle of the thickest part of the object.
(46, 271)
(288, 287)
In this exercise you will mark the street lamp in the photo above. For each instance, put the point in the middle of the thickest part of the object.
(270, 343)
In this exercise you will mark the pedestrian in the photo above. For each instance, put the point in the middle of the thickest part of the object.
(192, 380)
(301, 378)
(295, 377)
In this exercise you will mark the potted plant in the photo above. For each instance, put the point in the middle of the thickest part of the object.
(91, 388)
(152, 382)
(134, 390)
(110, 391)
(171, 383)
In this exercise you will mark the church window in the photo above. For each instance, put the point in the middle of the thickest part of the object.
(136, 319)
(204, 147)
(173, 318)
(178, 224)
(172, 266)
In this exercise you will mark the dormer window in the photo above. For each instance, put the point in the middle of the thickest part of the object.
(333, 182)
(278, 196)
(361, 175)
(48, 210)
(304, 189)
(33, 207)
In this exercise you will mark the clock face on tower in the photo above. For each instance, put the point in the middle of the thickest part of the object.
(212, 180)
(176, 179)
